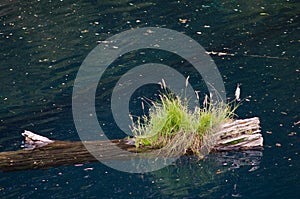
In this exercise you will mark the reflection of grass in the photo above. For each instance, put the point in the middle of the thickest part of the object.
(172, 124)
(188, 178)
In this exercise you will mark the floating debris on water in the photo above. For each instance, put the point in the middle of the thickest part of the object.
(278, 144)
(183, 20)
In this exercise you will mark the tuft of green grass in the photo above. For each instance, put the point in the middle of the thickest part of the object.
(172, 125)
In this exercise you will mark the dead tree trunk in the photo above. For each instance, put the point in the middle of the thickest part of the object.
(43, 153)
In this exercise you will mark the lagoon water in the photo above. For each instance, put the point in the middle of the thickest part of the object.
(43, 44)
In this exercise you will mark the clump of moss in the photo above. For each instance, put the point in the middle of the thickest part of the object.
(172, 125)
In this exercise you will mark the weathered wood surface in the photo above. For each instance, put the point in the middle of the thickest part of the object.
(42, 153)
(239, 135)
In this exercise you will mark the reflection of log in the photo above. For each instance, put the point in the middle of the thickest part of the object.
(179, 177)
(42, 153)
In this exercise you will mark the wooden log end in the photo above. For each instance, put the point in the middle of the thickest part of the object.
(33, 140)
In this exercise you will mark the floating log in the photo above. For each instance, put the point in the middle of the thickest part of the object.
(41, 153)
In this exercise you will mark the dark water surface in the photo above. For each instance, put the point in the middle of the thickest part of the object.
(43, 43)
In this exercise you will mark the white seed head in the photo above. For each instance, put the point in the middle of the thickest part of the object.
(163, 83)
(197, 94)
(237, 92)
(143, 107)
(187, 81)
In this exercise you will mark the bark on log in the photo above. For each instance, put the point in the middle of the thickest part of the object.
(42, 153)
